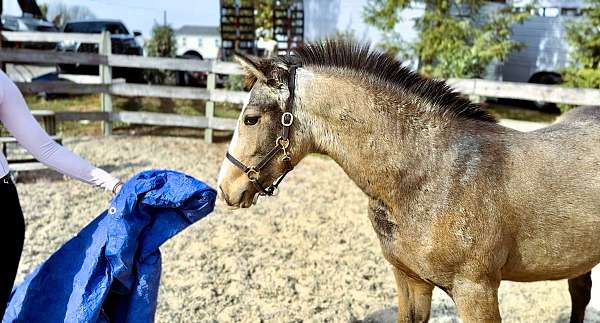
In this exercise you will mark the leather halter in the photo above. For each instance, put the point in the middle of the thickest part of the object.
(281, 145)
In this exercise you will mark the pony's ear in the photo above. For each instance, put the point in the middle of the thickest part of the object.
(250, 64)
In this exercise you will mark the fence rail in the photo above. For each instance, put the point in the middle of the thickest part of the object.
(527, 91)
(177, 64)
(150, 118)
(50, 37)
(107, 88)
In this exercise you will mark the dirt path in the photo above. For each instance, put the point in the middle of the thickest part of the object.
(308, 255)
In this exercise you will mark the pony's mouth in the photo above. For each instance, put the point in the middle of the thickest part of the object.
(246, 200)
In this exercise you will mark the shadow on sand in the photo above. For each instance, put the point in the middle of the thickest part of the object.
(440, 312)
(592, 315)
(446, 313)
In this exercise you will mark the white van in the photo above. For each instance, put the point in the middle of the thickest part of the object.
(544, 35)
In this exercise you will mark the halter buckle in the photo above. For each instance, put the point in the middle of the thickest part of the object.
(289, 121)
(253, 174)
(284, 143)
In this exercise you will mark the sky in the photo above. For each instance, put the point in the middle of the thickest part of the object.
(142, 14)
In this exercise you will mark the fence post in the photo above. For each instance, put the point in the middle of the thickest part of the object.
(2, 64)
(476, 98)
(105, 48)
(211, 82)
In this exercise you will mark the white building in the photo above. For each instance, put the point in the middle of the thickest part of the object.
(199, 41)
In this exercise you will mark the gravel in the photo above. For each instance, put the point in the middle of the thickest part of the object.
(308, 255)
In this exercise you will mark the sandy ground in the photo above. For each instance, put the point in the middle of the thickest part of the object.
(308, 255)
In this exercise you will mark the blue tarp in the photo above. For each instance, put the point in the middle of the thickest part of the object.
(110, 271)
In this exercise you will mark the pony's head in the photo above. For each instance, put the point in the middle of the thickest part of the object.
(266, 143)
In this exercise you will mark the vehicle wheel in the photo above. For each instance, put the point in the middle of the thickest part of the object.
(134, 75)
(65, 69)
(186, 78)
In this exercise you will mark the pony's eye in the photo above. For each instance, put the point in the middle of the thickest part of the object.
(272, 83)
(251, 120)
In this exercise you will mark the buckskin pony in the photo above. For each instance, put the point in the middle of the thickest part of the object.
(457, 200)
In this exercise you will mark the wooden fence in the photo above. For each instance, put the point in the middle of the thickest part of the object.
(526, 91)
(106, 60)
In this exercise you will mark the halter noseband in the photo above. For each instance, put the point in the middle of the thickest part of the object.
(281, 144)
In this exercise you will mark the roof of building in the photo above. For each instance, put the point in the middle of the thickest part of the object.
(197, 30)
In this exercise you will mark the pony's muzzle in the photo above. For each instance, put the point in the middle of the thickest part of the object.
(244, 198)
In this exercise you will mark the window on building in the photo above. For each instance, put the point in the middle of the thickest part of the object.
(183, 41)
(199, 41)
(570, 12)
(548, 12)
(217, 43)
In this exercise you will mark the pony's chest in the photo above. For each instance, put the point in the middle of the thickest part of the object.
(399, 240)
(406, 245)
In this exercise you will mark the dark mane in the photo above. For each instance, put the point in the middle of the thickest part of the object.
(385, 67)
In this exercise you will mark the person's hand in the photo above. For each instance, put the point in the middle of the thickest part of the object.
(117, 187)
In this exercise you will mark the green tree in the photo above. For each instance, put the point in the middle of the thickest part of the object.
(455, 38)
(44, 10)
(584, 36)
(162, 43)
(60, 13)
(264, 19)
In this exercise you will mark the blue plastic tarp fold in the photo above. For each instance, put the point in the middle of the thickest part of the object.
(110, 271)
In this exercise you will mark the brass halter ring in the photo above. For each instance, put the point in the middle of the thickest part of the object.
(284, 143)
(289, 121)
(253, 174)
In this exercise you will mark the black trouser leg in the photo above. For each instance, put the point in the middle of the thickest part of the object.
(12, 234)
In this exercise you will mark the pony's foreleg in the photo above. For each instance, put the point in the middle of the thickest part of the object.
(580, 289)
(477, 300)
(414, 298)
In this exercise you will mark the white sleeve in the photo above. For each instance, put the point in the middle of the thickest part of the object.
(17, 119)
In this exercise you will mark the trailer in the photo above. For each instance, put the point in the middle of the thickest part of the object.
(546, 50)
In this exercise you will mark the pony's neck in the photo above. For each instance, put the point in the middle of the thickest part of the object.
(383, 142)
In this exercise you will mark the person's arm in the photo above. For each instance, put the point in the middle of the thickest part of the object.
(19, 121)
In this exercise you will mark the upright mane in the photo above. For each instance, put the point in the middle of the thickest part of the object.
(385, 67)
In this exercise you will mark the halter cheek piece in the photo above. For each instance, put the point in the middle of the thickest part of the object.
(281, 144)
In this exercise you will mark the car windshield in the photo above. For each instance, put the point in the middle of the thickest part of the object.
(96, 27)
